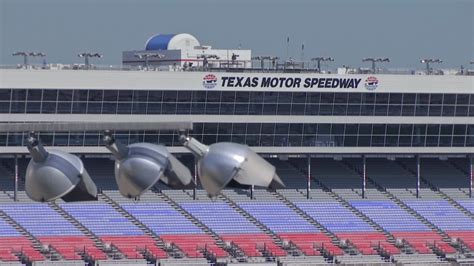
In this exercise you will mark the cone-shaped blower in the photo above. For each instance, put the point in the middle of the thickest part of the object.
(56, 174)
(222, 163)
(139, 166)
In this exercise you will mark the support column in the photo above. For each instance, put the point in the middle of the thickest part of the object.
(251, 192)
(364, 175)
(195, 178)
(15, 195)
(418, 176)
(308, 186)
(471, 174)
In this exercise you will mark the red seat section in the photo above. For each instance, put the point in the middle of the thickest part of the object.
(133, 247)
(254, 244)
(467, 237)
(73, 247)
(312, 244)
(9, 246)
(194, 245)
(369, 242)
(423, 241)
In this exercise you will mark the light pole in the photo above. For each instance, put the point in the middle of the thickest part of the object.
(87, 56)
(322, 59)
(26, 55)
(373, 60)
(146, 56)
(427, 61)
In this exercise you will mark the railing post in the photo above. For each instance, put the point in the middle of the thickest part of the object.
(308, 186)
(418, 176)
(15, 195)
(195, 178)
(364, 175)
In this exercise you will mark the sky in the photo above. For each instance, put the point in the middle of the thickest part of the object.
(347, 30)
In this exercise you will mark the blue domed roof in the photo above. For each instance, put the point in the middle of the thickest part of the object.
(159, 42)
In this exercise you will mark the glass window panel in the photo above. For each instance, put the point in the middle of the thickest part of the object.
(65, 95)
(381, 98)
(391, 141)
(327, 97)
(281, 140)
(242, 97)
(340, 98)
(95, 95)
(353, 109)
(378, 141)
(151, 138)
(409, 98)
(168, 108)
(324, 129)
(350, 141)
(459, 129)
(433, 130)
(270, 97)
(406, 129)
(313, 109)
(209, 139)
(449, 99)
(170, 96)
(33, 107)
(167, 140)
(139, 107)
(252, 140)
(435, 110)
(352, 129)
(367, 109)
(394, 110)
(18, 95)
(18, 107)
(199, 108)
(61, 139)
(368, 98)
(392, 129)
(297, 109)
(284, 109)
(238, 139)
(155, 96)
(337, 129)
(76, 139)
(461, 110)
(282, 128)
(199, 96)
(256, 96)
(91, 139)
(378, 129)
(458, 141)
(109, 108)
(421, 110)
(355, 98)
(295, 140)
(254, 109)
(80, 95)
(5, 94)
(64, 107)
(404, 141)
(310, 128)
(212, 108)
(339, 109)
(363, 141)
(284, 97)
(418, 141)
(183, 108)
(253, 128)
(309, 140)
(436, 98)
(408, 110)
(269, 109)
(124, 108)
(184, 96)
(314, 97)
(462, 99)
(419, 129)
(228, 97)
(448, 110)
(471, 111)
(50, 95)
(365, 129)
(299, 97)
(325, 109)
(446, 129)
(4, 107)
(34, 94)
(225, 138)
(48, 108)
(198, 128)
(423, 98)
(214, 96)
(226, 128)
(227, 108)
(296, 129)
(381, 110)
(395, 98)
(445, 141)
(241, 109)
(211, 128)
(140, 96)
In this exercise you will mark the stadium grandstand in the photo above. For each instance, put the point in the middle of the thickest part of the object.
(377, 166)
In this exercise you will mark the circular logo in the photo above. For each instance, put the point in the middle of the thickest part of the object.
(371, 83)
(209, 81)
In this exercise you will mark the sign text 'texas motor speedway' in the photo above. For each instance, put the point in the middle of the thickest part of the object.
(289, 82)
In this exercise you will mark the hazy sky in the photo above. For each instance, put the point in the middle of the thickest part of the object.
(347, 30)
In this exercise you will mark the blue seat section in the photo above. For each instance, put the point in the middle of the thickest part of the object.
(334, 217)
(468, 204)
(221, 218)
(40, 219)
(390, 216)
(278, 217)
(442, 214)
(102, 219)
(7, 230)
(161, 218)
